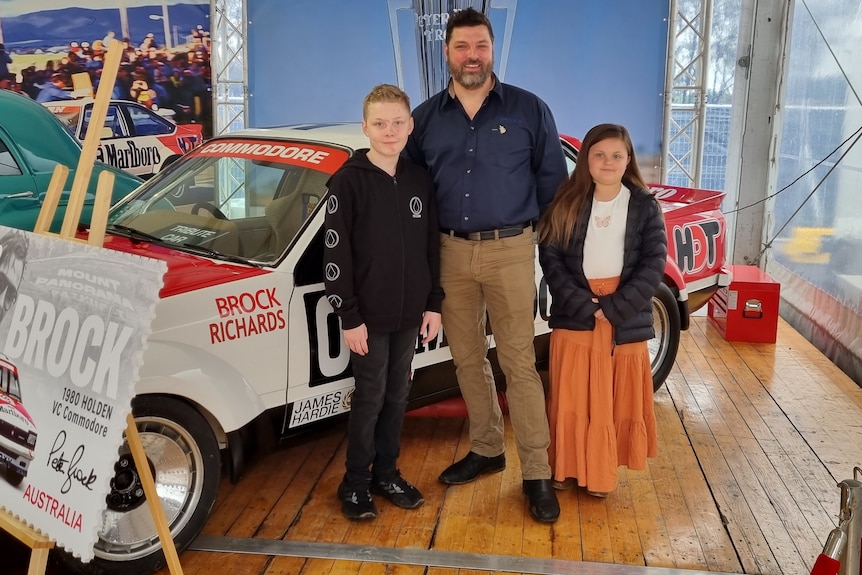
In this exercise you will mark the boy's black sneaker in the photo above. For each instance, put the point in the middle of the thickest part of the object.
(356, 502)
(398, 491)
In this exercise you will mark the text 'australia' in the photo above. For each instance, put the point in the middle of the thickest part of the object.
(62, 512)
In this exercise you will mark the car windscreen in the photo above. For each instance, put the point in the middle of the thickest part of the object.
(243, 198)
(9, 380)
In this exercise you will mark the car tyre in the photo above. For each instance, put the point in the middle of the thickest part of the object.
(12, 477)
(171, 431)
(665, 345)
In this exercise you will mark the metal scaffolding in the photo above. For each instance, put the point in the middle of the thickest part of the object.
(686, 90)
(229, 65)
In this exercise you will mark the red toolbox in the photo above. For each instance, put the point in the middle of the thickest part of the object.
(746, 310)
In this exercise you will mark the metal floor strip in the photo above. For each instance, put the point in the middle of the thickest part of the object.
(426, 557)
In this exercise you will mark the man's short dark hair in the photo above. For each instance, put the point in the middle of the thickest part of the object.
(466, 18)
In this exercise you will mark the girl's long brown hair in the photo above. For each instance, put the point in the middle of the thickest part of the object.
(561, 218)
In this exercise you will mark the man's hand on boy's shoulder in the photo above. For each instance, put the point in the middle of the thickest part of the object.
(430, 326)
(357, 339)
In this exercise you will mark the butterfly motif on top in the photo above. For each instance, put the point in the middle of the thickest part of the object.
(602, 222)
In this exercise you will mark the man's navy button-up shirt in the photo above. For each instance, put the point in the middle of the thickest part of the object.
(499, 170)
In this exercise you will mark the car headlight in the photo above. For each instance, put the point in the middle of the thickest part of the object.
(31, 439)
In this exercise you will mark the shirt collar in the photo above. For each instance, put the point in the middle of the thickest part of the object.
(447, 96)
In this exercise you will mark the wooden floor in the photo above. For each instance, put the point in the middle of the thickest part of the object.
(753, 441)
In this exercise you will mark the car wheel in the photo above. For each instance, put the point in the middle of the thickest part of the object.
(12, 477)
(664, 346)
(184, 459)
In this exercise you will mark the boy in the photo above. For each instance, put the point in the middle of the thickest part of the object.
(382, 269)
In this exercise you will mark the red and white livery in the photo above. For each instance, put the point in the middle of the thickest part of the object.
(17, 428)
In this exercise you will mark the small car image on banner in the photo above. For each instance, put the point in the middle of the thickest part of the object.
(17, 428)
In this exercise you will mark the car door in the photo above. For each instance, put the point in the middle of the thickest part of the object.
(121, 143)
(113, 136)
(148, 130)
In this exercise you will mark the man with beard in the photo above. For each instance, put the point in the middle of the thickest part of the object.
(496, 160)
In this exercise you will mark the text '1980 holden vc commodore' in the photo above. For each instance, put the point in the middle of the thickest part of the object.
(243, 329)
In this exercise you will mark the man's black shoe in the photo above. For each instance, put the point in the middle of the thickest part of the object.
(471, 467)
(356, 502)
(544, 506)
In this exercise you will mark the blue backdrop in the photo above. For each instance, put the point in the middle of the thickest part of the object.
(592, 62)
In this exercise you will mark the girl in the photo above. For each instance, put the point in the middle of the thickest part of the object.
(602, 246)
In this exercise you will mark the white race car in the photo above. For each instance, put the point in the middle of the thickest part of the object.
(17, 429)
(134, 138)
(243, 332)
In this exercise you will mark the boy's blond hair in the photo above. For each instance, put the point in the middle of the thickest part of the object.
(385, 93)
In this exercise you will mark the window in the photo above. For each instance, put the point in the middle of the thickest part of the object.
(8, 165)
(147, 123)
(113, 123)
(9, 381)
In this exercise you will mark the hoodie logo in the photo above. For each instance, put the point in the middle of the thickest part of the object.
(331, 238)
(332, 204)
(332, 271)
(416, 207)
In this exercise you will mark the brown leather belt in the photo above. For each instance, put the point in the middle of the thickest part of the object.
(489, 234)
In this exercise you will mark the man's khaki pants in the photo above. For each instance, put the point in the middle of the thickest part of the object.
(498, 275)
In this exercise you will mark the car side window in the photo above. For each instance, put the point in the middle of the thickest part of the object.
(113, 125)
(147, 123)
(571, 155)
(8, 165)
(112, 121)
(570, 164)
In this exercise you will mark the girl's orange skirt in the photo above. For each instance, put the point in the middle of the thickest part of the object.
(600, 406)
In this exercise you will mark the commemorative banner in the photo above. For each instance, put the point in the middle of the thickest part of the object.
(74, 321)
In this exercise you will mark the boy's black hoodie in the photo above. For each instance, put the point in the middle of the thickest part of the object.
(382, 255)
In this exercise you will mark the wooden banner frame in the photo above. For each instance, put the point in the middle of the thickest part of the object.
(40, 544)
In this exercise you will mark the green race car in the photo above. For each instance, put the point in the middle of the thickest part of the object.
(32, 143)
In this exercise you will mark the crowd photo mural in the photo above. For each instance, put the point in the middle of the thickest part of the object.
(56, 50)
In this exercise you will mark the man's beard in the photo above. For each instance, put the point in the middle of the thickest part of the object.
(471, 80)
